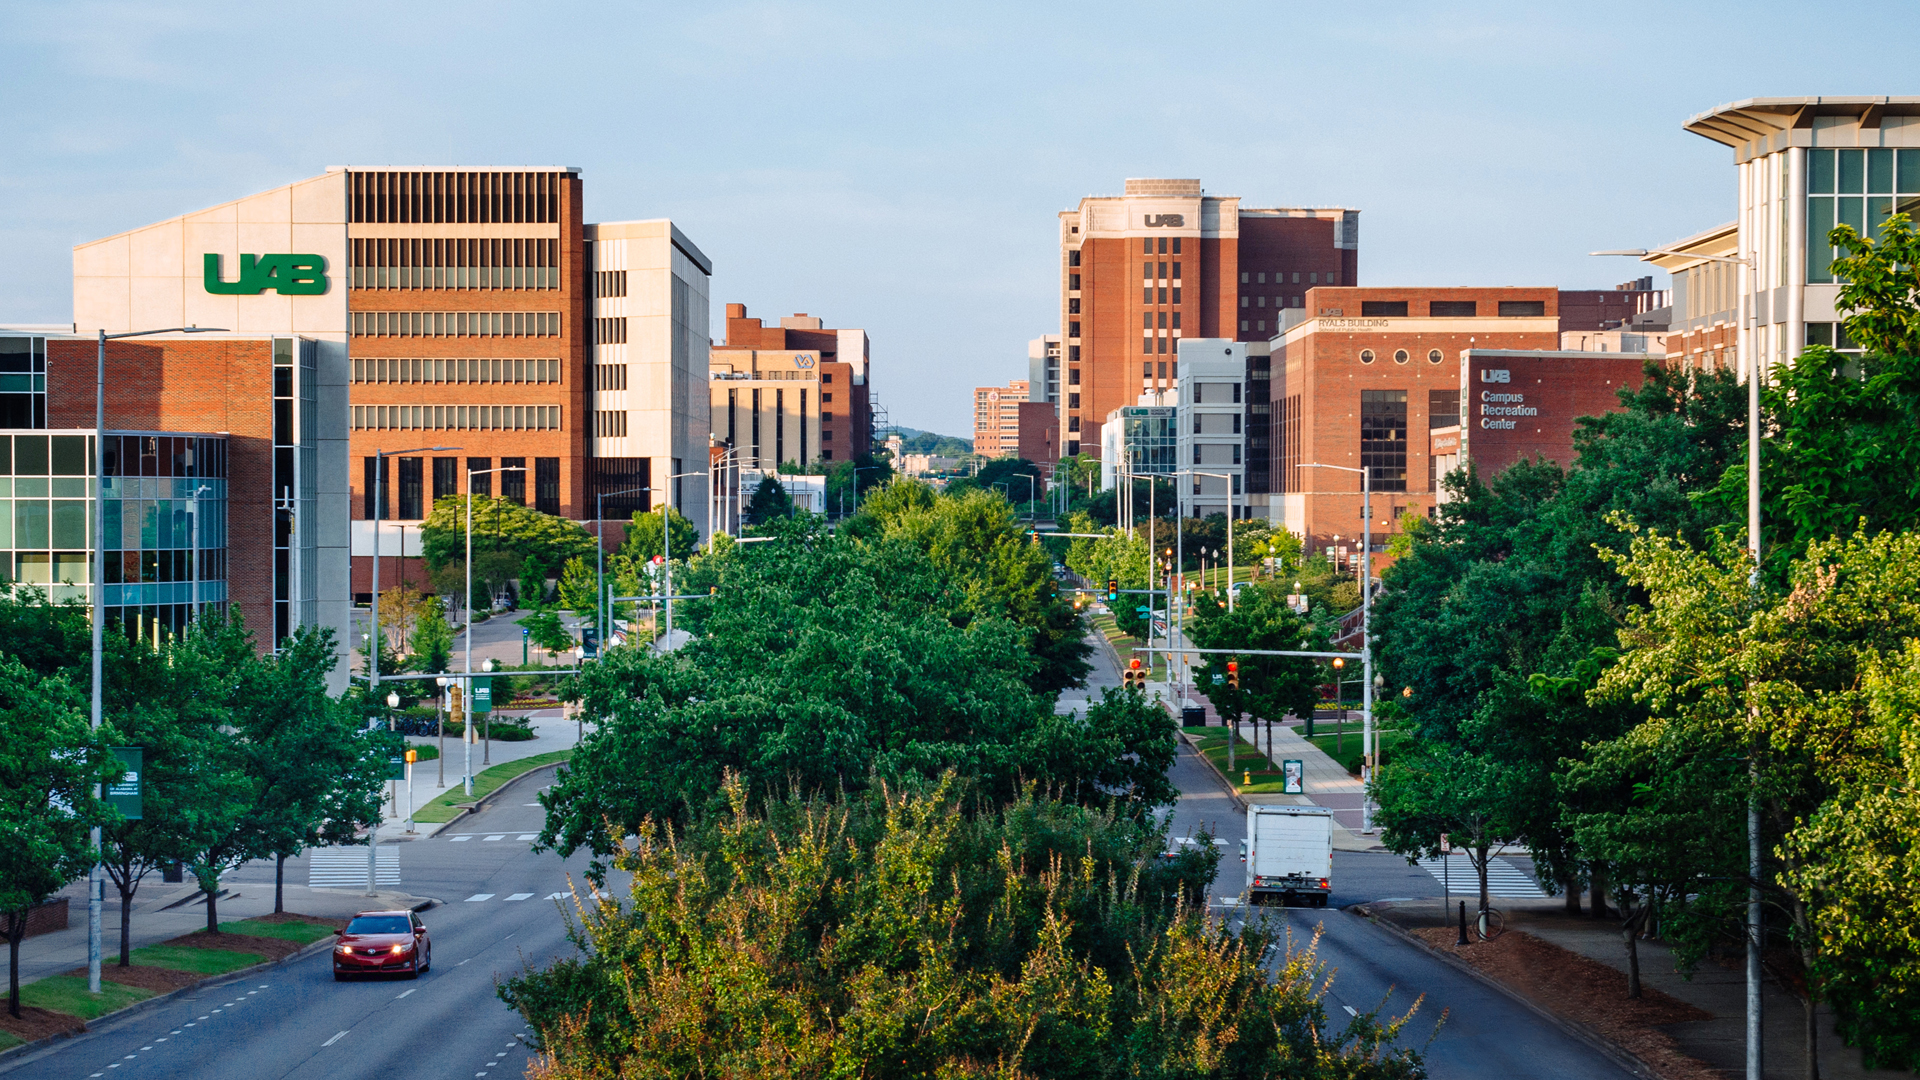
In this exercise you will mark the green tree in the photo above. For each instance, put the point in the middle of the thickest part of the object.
(644, 540)
(432, 638)
(49, 763)
(769, 502)
(1271, 687)
(501, 525)
(896, 933)
(580, 587)
(544, 630)
(533, 582)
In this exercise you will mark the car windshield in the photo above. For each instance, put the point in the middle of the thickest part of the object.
(380, 924)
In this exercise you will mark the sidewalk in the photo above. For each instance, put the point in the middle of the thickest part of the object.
(554, 729)
(1718, 989)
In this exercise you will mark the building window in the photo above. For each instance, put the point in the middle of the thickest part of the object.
(1146, 320)
(1245, 300)
(1366, 356)
(1176, 320)
(1073, 423)
(1434, 356)
(1176, 271)
(610, 283)
(456, 417)
(1146, 295)
(1073, 257)
(1332, 277)
(1296, 277)
(482, 370)
(1443, 408)
(1244, 324)
(411, 490)
(1400, 356)
(480, 475)
(1163, 344)
(1146, 344)
(513, 485)
(1146, 245)
(374, 488)
(1857, 188)
(1073, 282)
(610, 376)
(1453, 309)
(1260, 278)
(610, 424)
(1176, 294)
(1146, 270)
(1521, 309)
(1073, 375)
(23, 382)
(1073, 401)
(610, 331)
(446, 477)
(546, 485)
(455, 263)
(1243, 277)
(1073, 307)
(455, 323)
(1383, 309)
(1383, 438)
(1163, 320)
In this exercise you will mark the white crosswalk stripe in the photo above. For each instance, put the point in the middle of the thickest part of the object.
(1503, 878)
(477, 897)
(495, 836)
(333, 868)
(561, 896)
(520, 896)
(457, 839)
(529, 836)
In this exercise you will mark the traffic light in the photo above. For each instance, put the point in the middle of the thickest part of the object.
(1135, 675)
(1113, 589)
(1233, 674)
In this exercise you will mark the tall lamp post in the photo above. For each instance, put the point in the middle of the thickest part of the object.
(1747, 360)
(96, 884)
(1366, 635)
(1232, 513)
(600, 557)
(666, 540)
(379, 505)
(466, 733)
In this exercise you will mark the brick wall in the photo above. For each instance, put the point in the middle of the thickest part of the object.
(201, 385)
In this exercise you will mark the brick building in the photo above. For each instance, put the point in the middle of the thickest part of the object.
(1629, 305)
(797, 392)
(1164, 260)
(996, 418)
(1519, 404)
(1354, 381)
(1038, 436)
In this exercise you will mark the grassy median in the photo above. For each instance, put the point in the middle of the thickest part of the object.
(447, 807)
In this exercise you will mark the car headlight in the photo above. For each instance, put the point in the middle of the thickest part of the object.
(344, 950)
(398, 949)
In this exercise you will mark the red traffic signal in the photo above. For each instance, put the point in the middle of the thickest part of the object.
(1135, 675)
(1233, 674)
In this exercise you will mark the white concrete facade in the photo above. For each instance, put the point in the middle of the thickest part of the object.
(1212, 394)
(657, 376)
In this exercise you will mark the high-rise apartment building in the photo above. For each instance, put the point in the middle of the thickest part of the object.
(996, 418)
(1164, 260)
(797, 392)
(1043, 369)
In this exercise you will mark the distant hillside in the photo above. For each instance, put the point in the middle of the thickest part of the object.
(928, 442)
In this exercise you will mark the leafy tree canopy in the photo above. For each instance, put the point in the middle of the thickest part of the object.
(501, 525)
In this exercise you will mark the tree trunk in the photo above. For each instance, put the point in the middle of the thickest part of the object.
(1597, 892)
(213, 914)
(279, 883)
(1630, 933)
(1480, 864)
(16, 929)
(1573, 896)
(126, 926)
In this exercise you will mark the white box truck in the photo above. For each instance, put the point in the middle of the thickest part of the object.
(1289, 854)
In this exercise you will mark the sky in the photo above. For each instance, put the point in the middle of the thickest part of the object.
(898, 167)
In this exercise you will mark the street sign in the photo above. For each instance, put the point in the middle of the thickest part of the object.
(124, 795)
(482, 696)
(1294, 775)
(396, 768)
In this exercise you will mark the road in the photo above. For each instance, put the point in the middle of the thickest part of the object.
(295, 1021)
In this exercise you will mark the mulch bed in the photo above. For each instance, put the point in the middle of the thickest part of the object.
(1585, 991)
(291, 917)
(35, 1023)
(157, 979)
(272, 948)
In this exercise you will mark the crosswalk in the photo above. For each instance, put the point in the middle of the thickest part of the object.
(481, 898)
(334, 868)
(1504, 879)
(525, 836)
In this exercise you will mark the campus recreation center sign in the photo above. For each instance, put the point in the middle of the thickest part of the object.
(288, 275)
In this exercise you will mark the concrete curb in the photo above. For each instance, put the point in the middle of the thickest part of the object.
(482, 802)
(1618, 1054)
(113, 1019)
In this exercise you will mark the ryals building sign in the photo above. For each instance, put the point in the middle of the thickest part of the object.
(288, 275)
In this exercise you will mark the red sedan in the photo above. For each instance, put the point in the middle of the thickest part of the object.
(378, 942)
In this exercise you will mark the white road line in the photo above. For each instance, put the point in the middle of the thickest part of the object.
(405, 993)
(520, 896)
(529, 804)
(1351, 1011)
(335, 1039)
(458, 839)
(529, 836)
(561, 896)
(477, 897)
(495, 836)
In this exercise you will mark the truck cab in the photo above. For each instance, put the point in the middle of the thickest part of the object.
(1288, 853)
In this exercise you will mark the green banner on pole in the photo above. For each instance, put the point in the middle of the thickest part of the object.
(482, 696)
(124, 794)
(396, 768)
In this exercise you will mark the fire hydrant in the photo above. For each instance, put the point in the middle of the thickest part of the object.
(1246, 778)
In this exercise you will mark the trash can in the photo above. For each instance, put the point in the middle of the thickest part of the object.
(1193, 717)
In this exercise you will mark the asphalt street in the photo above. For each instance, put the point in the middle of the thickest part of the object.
(295, 1021)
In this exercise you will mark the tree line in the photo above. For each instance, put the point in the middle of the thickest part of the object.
(1598, 672)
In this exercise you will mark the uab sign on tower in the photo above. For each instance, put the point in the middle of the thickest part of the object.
(288, 275)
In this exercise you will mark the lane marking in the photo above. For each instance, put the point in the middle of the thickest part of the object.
(405, 994)
(335, 1039)
(520, 896)
(495, 836)
(529, 804)
(465, 962)
(477, 897)
(529, 836)
(458, 839)
(1351, 1011)
(561, 896)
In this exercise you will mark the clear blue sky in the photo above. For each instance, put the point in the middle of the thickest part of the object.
(898, 166)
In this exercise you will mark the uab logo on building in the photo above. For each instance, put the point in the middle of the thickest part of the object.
(288, 275)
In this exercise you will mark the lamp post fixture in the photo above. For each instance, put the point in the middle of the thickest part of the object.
(96, 884)
(440, 728)
(857, 470)
(600, 560)
(1747, 359)
(1366, 636)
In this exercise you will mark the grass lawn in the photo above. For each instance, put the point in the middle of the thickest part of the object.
(68, 994)
(447, 806)
(198, 961)
(1344, 746)
(1248, 763)
(302, 932)
(7, 1040)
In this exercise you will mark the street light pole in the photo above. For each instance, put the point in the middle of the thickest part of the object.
(96, 883)
(379, 504)
(1747, 360)
(599, 559)
(666, 537)
(1366, 636)
(1232, 509)
(466, 730)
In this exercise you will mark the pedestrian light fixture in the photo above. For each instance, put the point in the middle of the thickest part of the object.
(393, 699)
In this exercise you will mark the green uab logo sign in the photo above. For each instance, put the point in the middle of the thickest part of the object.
(288, 275)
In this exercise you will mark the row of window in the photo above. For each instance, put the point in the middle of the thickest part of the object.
(1259, 277)
(1146, 271)
(611, 331)
(1859, 188)
(609, 283)
(1147, 294)
(455, 263)
(1147, 242)
(609, 376)
(378, 483)
(378, 197)
(1146, 320)
(1278, 301)
(1401, 356)
(455, 324)
(457, 417)
(480, 370)
(1453, 309)
(609, 424)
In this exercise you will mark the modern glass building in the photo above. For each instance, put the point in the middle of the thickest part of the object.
(166, 522)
